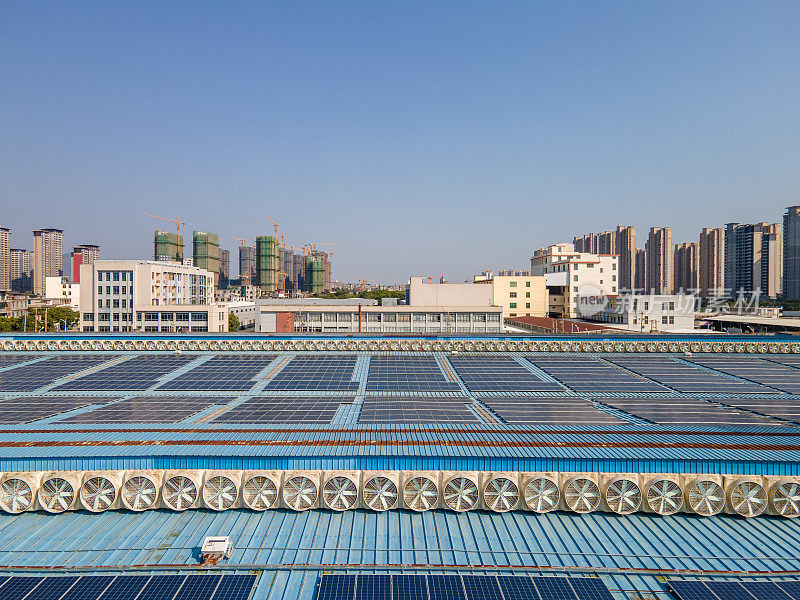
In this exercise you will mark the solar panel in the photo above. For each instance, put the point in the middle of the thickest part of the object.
(688, 411)
(792, 588)
(336, 587)
(17, 587)
(148, 409)
(275, 409)
(549, 411)
(754, 369)
(89, 588)
(221, 373)
(160, 587)
(33, 408)
(684, 377)
(316, 373)
(52, 588)
(499, 374)
(138, 373)
(554, 588)
(589, 374)
(125, 587)
(407, 374)
(445, 587)
(198, 587)
(409, 587)
(590, 588)
(482, 587)
(235, 587)
(373, 587)
(7, 360)
(410, 409)
(765, 590)
(27, 378)
(517, 588)
(692, 590)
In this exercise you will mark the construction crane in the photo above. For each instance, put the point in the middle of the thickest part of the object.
(244, 242)
(363, 283)
(284, 280)
(178, 222)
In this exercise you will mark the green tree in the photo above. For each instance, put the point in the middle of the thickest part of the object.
(233, 322)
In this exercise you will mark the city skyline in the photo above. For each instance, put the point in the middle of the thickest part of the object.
(422, 139)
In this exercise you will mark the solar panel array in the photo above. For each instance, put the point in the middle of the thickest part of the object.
(33, 408)
(26, 378)
(276, 409)
(138, 373)
(499, 374)
(407, 374)
(586, 374)
(688, 411)
(687, 378)
(781, 408)
(735, 590)
(460, 587)
(6, 360)
(148, 409)
(128, 587)
(774, 375)
(549, 411)
(410, 409)
(224, 372)
(317, 373)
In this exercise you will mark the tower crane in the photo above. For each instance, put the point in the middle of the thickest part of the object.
(177, 222)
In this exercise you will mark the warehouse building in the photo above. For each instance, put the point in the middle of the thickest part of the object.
(313, 467)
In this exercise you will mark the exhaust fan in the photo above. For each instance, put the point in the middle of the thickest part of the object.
(664, 495)
(260, 490)
(340, 492)
(461, 492)
(380, 491)
(541, 493)
(140, 490)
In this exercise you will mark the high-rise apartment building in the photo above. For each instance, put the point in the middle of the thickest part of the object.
(205, 252)
(711, 262)
(660, 261)
(606, 242)
(586, 243)
(247, 265)
(5, 259)
(48, 258)
(625, 249)
(640, 270)
(224, 269)
(299, 271)
(754, 258)
(21, 270)
(791, 253)
(85, 254)
(687, 279)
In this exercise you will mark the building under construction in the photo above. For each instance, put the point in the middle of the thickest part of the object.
(168, 246)
(267, 263)
(327, 269)
(247, 265)
(205, 252)
(287, 266)
(315, 275)
(224, 269)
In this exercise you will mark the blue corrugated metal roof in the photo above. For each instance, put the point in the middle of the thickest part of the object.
(627, 550)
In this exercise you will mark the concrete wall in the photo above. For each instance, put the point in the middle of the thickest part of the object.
(448, 294)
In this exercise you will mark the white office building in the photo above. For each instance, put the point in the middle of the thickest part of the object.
(65, 289)
(569, 274)
(149, 296)
(641, 313)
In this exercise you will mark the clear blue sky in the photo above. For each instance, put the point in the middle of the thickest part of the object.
(423, 137)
